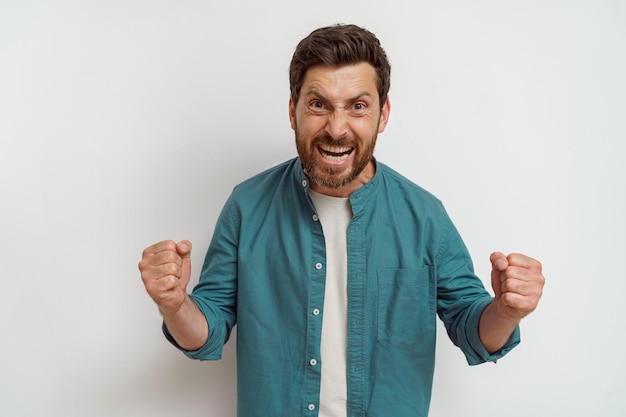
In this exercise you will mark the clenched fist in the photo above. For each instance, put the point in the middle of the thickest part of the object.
(165, 270)
(517, 282)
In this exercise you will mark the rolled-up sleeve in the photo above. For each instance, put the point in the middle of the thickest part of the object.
(462, 297)
(216, 292)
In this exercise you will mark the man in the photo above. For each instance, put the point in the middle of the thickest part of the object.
(334, 266)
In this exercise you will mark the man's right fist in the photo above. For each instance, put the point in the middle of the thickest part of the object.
(165, 270)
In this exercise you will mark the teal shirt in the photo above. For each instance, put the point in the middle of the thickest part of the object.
(265, 271)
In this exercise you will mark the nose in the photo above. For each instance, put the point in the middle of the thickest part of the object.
(337, 126)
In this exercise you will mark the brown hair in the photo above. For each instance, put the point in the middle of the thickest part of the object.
(336, 46)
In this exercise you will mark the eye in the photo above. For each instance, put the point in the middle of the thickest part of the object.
(359, 107)
(316, 104)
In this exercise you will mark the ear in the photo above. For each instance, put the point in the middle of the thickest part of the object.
(384, 116)
(292, 113)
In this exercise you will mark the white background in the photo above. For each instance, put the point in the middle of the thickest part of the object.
(127, 122)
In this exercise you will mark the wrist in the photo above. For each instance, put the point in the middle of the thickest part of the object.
(180, 309)
(504, 314)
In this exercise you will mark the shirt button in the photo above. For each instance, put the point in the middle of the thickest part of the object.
(304, 183)
(315, 218)
(318, 266)
(313, 362)
(316, 311)
(311, 407)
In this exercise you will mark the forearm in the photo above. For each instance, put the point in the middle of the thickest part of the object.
(188, 326)
(494, 329)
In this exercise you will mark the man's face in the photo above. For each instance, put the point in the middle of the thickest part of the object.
(337, 120)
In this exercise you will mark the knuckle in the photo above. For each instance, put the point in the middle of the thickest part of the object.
(150, 289)
(541, 280)
(513, 271)
(146, 277)
(169, 245)
(167, 283)
(170, 269)
(172, 256)
(512, 257)
(505, 297)
(166, 295)
(538, 264)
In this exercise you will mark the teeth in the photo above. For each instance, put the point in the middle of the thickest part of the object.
(336, 149)
(335, 153)
(335, 158)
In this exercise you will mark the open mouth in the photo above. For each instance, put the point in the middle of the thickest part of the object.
(335, 153)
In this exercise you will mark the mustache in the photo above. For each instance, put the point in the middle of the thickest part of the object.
(330, 141)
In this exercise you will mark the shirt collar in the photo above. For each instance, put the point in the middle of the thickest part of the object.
(358, 199)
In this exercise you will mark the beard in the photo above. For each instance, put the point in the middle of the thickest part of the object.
(329, 176)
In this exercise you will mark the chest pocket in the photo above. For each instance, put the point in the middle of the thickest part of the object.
(407, 308)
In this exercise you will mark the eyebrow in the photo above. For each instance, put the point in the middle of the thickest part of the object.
(318, 94)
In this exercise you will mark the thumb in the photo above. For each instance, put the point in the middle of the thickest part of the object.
(498, 264)
(184, 250)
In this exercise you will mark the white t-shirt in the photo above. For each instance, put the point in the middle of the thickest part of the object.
(335, 215)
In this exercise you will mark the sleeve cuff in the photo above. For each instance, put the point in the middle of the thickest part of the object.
(478, 353)
(218, 335)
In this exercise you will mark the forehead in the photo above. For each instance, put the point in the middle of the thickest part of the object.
(337, 81)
